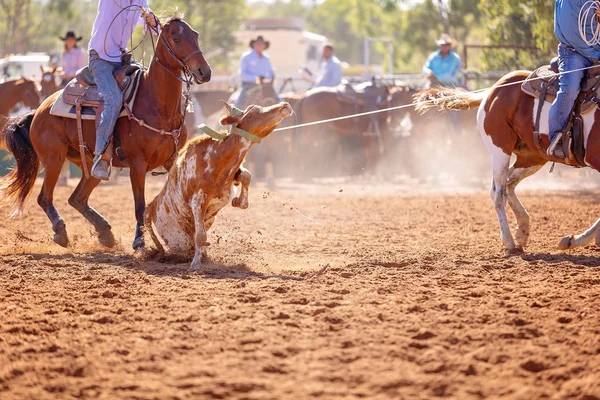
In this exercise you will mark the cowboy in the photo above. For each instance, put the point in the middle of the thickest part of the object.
(113, 27)
(73, 57)
(330, 74)
(574, 55)
(443, 65)
(255, 65)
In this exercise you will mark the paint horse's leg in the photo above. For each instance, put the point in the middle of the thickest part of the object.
(137, 174)
(572, 241)
(53, 162)
(243, 177)
(515, 177)
(499, 196)
(79, 201)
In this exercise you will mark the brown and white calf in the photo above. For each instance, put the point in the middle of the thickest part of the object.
(206, 175)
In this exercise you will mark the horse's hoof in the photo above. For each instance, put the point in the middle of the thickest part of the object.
(107, 239)
(565, 243)
(61, 239)
(517, 251)
(139, 243)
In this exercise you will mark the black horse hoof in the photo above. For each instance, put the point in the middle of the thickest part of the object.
(107, 239)
(139, 243)
(61, 239)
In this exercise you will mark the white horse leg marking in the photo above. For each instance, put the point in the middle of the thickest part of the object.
(500, 163)
(572, 241)
(515, 177)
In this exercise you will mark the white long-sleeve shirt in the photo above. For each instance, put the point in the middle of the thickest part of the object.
(108, 40)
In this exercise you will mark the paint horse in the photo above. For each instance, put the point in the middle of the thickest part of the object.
(206, 176)
(506, 119)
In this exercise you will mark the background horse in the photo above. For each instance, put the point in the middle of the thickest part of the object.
(17, 91)
(48, 81)
(359, 137)
(505, 120)
(42, 137)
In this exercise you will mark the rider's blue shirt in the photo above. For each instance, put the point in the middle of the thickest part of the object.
(566, 27)
(252, 66)
(445, 69)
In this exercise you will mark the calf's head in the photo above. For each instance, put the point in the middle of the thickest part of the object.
(260, 121)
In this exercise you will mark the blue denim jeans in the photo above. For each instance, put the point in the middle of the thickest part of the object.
(569, 86)
(113, 98)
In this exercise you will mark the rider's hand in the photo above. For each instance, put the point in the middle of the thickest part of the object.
(149, 18)
(431, 76)
(597, 11)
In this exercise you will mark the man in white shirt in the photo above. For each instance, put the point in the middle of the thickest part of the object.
(112, 30)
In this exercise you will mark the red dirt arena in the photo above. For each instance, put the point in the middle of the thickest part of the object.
(336, 290)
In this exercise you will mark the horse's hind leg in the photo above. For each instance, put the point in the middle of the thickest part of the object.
(53, 162)
(516, 175)
(79, 200)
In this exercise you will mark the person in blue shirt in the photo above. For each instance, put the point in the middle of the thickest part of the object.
(330, 74)
(255, 64)
(442, 66)
(573, 54)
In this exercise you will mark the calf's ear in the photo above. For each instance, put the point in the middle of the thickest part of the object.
(229, 120)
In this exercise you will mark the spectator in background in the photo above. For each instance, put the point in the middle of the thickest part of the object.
(330, 73)
(443, 65)
(254, 65)
(73, 58)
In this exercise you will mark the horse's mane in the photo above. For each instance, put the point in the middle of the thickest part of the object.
(170, 15)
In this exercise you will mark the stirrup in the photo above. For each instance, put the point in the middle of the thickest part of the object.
(553, 146)
(97, 160)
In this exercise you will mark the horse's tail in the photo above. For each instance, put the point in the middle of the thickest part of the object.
(447, 99)
(16, 186)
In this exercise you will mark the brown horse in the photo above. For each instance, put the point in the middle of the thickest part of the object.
(17, 91)
(324, 103)
(506, 123)
(48, 82)
(42, 137)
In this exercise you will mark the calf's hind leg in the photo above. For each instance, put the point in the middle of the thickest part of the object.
(243, 177)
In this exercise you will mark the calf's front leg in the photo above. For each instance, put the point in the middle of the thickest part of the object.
(199, 234)
(243, 177)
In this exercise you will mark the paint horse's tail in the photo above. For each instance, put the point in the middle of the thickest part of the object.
(16, 186)
(447, 99)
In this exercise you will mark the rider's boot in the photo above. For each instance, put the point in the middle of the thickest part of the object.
(101, 166)
(555, 150)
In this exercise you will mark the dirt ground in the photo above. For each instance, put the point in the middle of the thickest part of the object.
(416, 302)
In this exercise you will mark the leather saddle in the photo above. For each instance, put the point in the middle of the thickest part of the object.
(85, 98)
(364, 94)
(543, 84)
(82, 89)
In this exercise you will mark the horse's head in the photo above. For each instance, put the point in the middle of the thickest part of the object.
(27, 93)
(178, 49)
(260, 121)
(48, 82)
(267, 94)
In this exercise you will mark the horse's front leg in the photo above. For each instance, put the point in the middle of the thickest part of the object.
(137, 174)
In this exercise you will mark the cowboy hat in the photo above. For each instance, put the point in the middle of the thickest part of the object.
(71, 35)
(260, 39)
(445, 39)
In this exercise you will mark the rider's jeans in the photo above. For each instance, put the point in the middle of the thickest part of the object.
(569, 86)
(113, 98)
